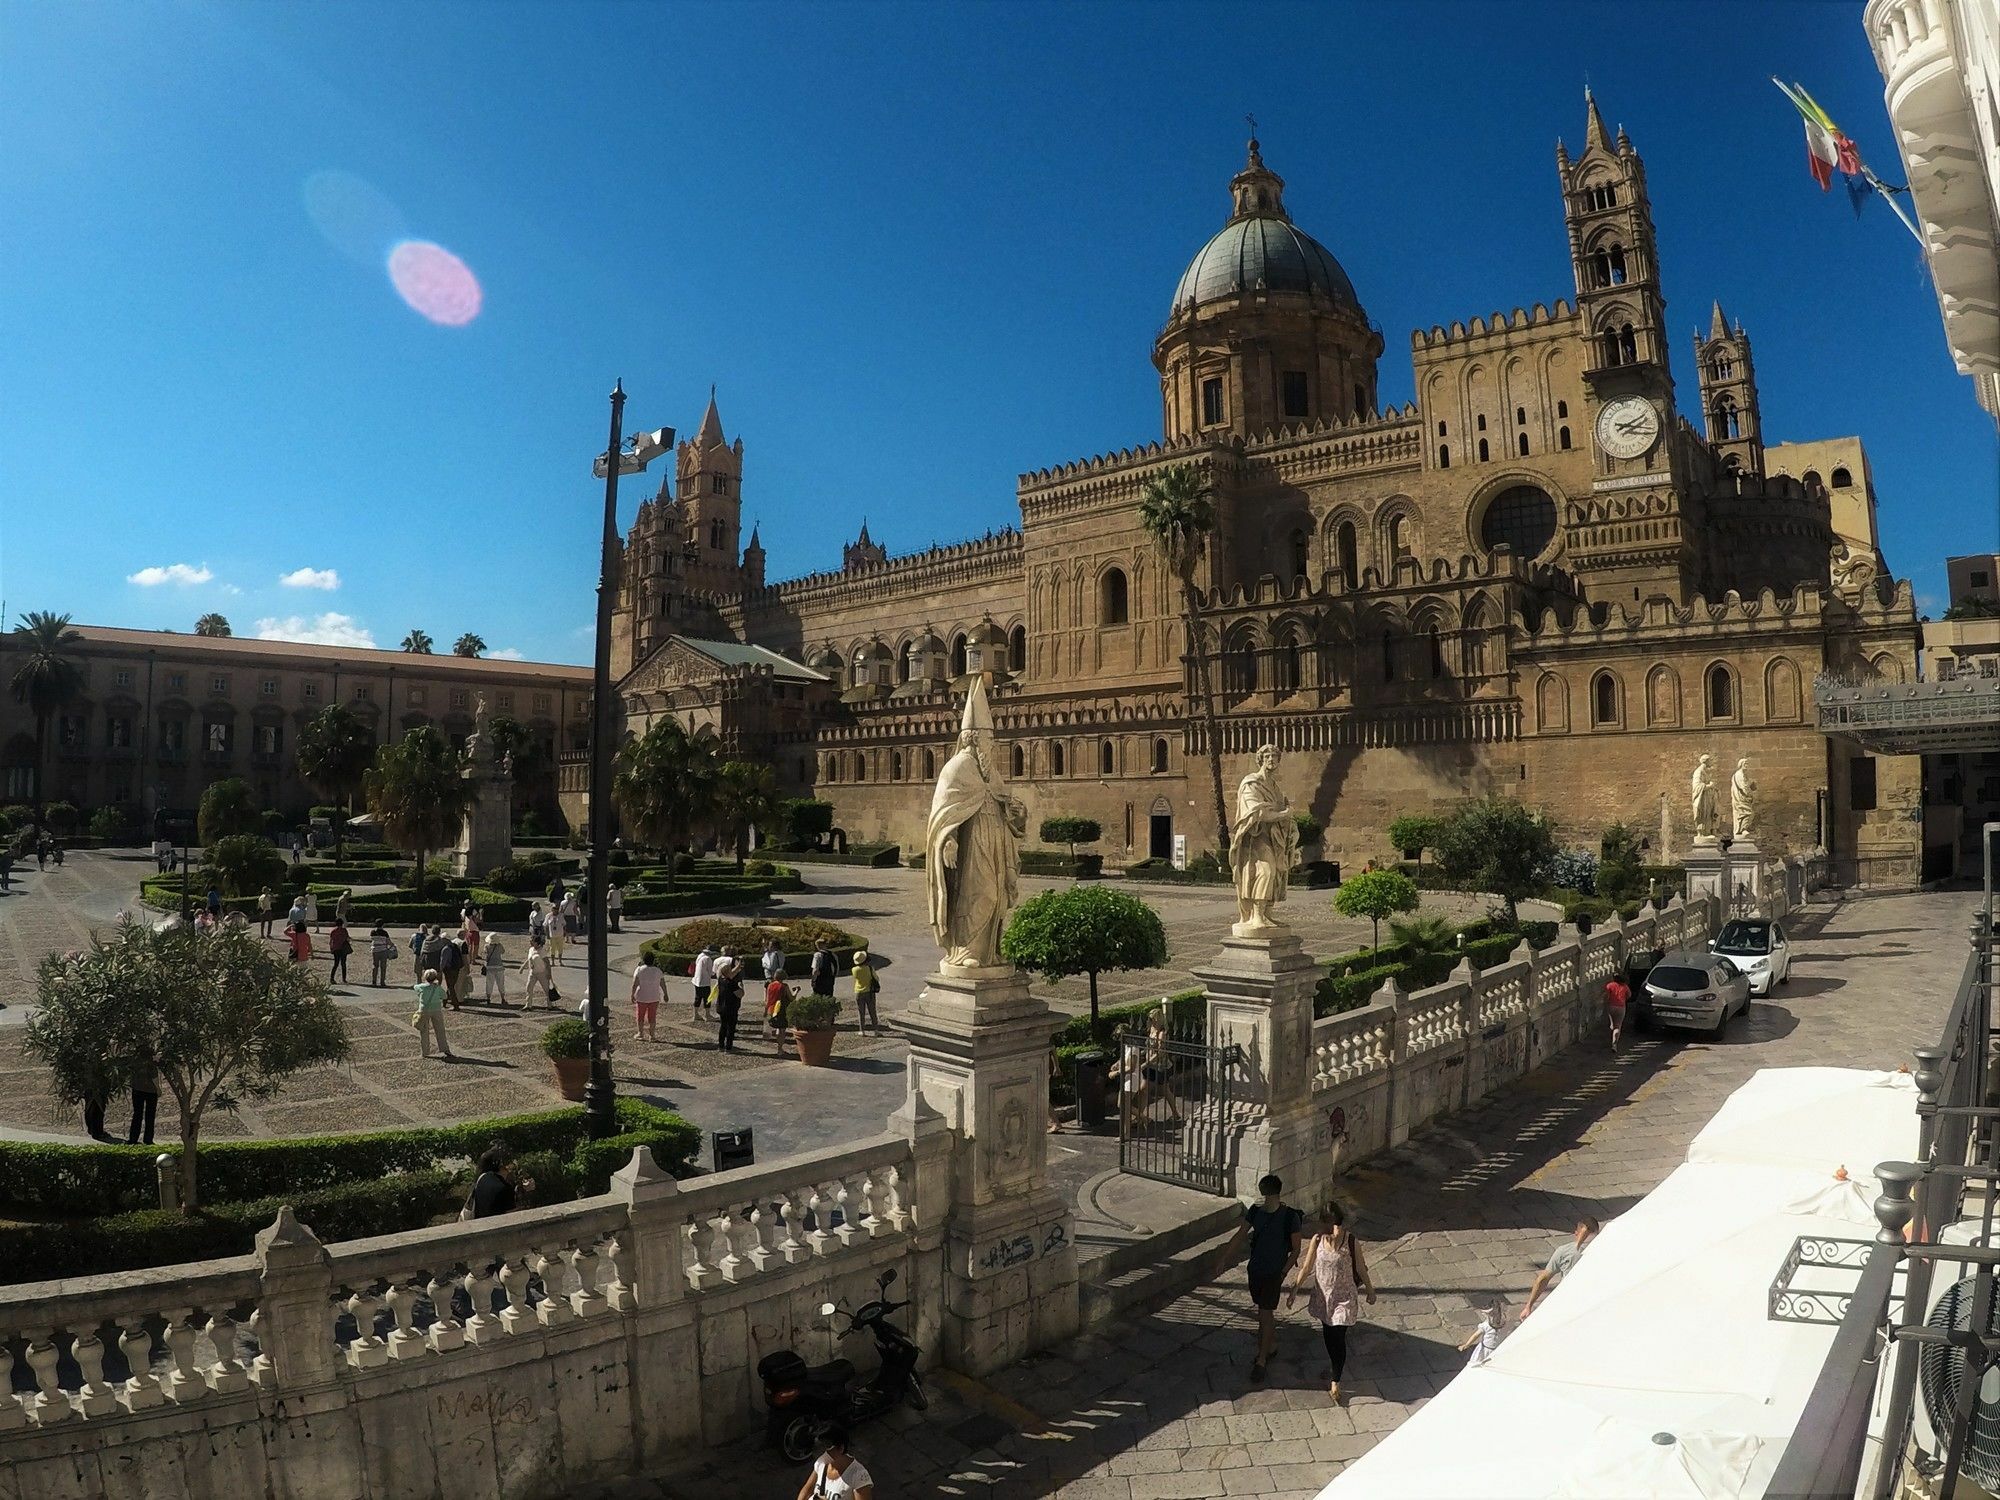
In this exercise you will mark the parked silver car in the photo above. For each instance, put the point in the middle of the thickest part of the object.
(1758, 948)
(1696, 989)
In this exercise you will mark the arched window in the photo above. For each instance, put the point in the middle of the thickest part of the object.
(1842, 479)
(1350, 566)
(1160, 754)
(895, 765)
(1562, 439)
(860, 766)
(1107, 759)
(1522, 517)
(1301, 555)
(1604, 699)
(1055, 758)
(1520, 416)
(1628, 345)
(1360, 402)
(1020, 762)
(1112, 602)
(958, 655)
(1482, 423)
(903, 659)
(1239, 667)
(861, 673)
(1444, 455)
(1721, 693)
(1286, 664)
(1482, 450)
(1399, 544)
(930, 765)
(1722, 422)
(1017, 650)
(1722, 367)
(1521, 443)
(1562, 408)
(1436, 650)
(1811, 480)
(1388, 656)
(715, 535)
(1441, 431)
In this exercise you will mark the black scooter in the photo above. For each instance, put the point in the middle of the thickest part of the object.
(801, 1401)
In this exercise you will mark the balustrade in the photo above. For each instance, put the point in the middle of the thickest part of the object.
(1352, 1045)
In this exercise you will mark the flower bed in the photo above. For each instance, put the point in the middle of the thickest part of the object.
(675, 949)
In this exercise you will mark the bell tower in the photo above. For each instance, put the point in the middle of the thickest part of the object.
(1728, 383)
(710, 492)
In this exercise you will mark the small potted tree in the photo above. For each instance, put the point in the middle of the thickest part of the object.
(567, 1044)
(812, 1018)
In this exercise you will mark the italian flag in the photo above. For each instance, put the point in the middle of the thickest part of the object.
(1827, 147)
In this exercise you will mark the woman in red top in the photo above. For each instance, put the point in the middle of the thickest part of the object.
(301, 943)
(1616, 996)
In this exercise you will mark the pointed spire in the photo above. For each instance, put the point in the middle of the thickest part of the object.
(755, 545)
(1718, 325)
(1594, 132)
(710, 434)
(863, 538)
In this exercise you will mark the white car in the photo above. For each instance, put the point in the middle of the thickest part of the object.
(1696, 990)
(1757, 948)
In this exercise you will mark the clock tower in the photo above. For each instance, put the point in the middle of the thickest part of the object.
(1629, 387)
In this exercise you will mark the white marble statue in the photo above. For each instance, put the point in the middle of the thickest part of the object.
(972, 860)
(1263, 846)
(1742, 800)
(1702, 794)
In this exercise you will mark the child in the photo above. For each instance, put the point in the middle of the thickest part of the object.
(1484, 1339)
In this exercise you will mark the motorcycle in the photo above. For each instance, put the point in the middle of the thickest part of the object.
(801, 1402)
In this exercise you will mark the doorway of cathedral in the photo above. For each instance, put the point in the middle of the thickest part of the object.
(1160, 831)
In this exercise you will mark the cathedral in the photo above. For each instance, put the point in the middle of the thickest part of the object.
(1556, 575)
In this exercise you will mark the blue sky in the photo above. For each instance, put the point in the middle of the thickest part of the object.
(918, 250)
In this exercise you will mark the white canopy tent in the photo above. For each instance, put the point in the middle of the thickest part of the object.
(1654, 1369)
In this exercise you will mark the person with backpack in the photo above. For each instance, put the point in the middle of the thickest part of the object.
(451, 964)
(822, 968)
(728, 999)
(867, 989)
(1338, 1275)
(381, 949)
(417, 950)
(1273, 1228)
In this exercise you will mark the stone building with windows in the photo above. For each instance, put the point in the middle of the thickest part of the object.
(1557, 574)
(163, 714)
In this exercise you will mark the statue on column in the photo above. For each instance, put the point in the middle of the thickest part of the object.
(1742, 800)
(1702, 793)
(1263, 846)
(972, 864)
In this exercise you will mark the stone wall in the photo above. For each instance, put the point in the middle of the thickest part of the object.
(518, 1357)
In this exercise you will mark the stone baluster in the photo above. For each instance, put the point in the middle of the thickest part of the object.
(482, 1327)
(445, 1332)
(93, 1397)
(617, 1282)
(864, 1199)
(554, 1309)
(586, 1301)
(405, 1339)
(700, 1274)
(227, 1373)
(141, 1391)
(760, 1254)
(263, 1371)
(790, 1250)
(821, 1209)
(51, 1403)
(848, 1231)
(368, 1350)
(184, 1382)
(728, 1264)
(518, 1313)
(891, 1205)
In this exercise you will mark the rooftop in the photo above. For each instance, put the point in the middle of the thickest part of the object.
(304, 654)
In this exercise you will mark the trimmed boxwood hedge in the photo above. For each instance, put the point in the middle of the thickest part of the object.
(1056, 862)
(880, 856)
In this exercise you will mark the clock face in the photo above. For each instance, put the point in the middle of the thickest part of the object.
(1628, 427)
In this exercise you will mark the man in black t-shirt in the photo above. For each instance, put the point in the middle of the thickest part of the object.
(1273, 1229)
(493, 1192)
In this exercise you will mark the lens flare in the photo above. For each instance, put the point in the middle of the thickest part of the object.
(435, 283)
(353, 216)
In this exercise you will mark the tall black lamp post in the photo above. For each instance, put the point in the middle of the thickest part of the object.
(600, 1104)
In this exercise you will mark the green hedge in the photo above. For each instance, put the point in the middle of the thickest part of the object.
(1163, 871)
(880, 856)
(686, 899)
(1055, 862)
(79, 1180)
(164, 892)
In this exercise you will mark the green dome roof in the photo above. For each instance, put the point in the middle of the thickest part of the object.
(1263, 253)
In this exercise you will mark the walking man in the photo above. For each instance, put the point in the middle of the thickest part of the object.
(430, 1013)
(451, 964)
(822, 968)
(614, 906)
(1273, 1228)
(774, 960)
(264, 913)
(728, 1000)
(381, 948)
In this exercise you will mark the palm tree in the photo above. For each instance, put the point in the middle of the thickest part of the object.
(665, 785)
(467, 644)
(1178, 512)
(335, 751)
(212, 624)
(418, 642)
(415, 788)
(746, 797)
(47, 679)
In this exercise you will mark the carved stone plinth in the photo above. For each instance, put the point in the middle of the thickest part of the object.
(486, 837)
(1260, 1000)
(1707, 870)
(1746, 869)
(979, 1056)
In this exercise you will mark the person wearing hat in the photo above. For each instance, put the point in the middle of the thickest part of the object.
(728, 999)
(866, 988)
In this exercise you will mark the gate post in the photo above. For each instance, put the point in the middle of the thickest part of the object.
(1260, 1000)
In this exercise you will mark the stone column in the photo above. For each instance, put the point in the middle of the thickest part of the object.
(979, 1056)
(295, 1326)
(1260, 1000)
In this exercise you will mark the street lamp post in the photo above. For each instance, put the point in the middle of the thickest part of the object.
(599, 1097)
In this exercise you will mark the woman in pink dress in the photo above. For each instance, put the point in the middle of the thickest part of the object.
(1333, 1274)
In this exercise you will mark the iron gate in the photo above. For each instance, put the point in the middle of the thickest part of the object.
(1174, 1109)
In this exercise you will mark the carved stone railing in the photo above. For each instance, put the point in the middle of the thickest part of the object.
(1352, 1044)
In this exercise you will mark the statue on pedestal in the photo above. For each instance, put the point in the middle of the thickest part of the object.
(1702, 793)
(1743, 800)
(972, 863)
(1263, 846)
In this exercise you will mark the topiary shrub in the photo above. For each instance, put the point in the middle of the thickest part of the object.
(241, 865)
(759, 867)
(113, 824)
(567, 1039)
(1413, 833)
(813, 1013)
(1070, 831)
(63, 817)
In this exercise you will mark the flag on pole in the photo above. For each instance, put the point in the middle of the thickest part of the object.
(1830, 150)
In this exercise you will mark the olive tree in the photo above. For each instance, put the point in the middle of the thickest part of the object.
(1496, 845)
(1084, 930)
(220, 1015)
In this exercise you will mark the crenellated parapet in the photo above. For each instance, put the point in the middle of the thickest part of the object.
(1618, 625)
(1500, 324)
(955, 564)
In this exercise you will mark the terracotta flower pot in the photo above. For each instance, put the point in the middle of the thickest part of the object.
(572, 1073)
(815, 1047)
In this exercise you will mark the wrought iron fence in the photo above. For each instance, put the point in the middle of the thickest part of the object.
(1175, 1109)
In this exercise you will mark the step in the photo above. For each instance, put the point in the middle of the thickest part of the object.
(1148, 1284)
(1127, 1255)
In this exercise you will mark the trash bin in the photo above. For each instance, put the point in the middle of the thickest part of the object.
(734, 1148)
(1090, 1069)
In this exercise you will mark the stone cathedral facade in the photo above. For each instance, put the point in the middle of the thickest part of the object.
(1558, 574)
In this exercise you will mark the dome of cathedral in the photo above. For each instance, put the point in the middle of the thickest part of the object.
(1260, 252)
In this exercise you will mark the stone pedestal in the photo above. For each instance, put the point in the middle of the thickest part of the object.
(1746, 871)
(486, 837)
(1707, 870)
(1260, 999)
(979, 1056)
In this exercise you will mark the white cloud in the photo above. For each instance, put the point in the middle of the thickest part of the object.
(311, 578)
(510, 654)
(175, 573)
(321, 630)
